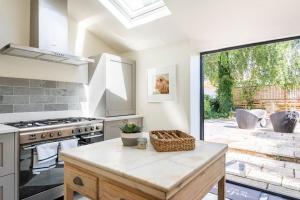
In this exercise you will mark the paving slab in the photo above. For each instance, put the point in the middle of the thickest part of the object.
(291, 183)
(263, 141)
(267, 177)
(280, 171)
(238, 156)
(292, 165)
(238, 168)
(271, 150)
(248, 160)
(272, 163)
(284, 191)
(297, 173)
(297, 154)
(247, 181)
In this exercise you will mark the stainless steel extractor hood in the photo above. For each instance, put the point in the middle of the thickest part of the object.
(48, 34)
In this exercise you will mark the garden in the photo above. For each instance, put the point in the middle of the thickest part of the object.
(240, 74)
(241, 83)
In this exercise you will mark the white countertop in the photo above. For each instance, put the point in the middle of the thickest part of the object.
(160, 170)
(120, 117)
(7, 129)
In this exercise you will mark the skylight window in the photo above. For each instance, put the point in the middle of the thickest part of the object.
(132, 13)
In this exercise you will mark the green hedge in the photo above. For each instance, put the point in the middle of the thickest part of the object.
(212, 108)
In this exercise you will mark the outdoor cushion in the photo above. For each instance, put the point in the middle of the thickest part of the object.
(260, 113)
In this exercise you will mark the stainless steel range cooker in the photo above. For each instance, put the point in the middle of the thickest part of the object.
(49, 184)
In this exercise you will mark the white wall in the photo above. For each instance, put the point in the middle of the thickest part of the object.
(14, 28)
(164, 115)
(85, 43)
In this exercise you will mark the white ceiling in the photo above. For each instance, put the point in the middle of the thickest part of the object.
(210, 24)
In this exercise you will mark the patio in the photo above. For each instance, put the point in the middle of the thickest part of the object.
(260, 158)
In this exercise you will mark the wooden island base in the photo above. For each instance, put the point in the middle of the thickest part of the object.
(96, 183)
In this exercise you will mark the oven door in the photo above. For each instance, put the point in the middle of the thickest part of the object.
(31, 184)
(47, 185)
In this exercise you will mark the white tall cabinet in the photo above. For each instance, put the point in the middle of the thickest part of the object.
(112, 86)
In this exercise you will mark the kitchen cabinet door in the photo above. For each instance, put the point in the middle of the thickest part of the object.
(120, 86)
(7, 188)
(7, 154)
(112, 128)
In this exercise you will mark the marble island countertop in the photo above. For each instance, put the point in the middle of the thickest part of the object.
(163, 171)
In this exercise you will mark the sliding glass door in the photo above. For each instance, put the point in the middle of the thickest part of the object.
(250, 98)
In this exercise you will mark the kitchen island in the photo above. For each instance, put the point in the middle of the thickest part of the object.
(108, 171)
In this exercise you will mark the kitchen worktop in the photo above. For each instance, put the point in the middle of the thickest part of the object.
(7, 129)
(162, 171)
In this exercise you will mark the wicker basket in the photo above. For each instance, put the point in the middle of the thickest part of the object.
(171, 140)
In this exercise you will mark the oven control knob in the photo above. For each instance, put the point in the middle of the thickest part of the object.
(79, 130)
(43, 136)
(59, 133)
(51, 134)
(97, 127)
(92, 128)
(86, 129)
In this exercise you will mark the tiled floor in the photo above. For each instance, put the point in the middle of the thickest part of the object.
(247, 162)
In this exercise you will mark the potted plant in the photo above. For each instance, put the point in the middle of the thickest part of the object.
(130, 133)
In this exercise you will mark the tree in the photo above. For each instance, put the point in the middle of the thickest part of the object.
(225, 83)
(289, 70)
(253, 68)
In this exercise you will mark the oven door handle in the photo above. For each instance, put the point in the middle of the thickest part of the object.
(33, 146)
(29, 147)
(92, 136)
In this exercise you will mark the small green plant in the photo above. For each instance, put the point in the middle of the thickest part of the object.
(130, 128)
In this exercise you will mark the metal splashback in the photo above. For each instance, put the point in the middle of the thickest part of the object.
(48, 34)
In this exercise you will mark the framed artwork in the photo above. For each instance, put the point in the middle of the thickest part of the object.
(161, 84)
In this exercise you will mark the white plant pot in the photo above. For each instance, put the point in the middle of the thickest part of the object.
(130, 139)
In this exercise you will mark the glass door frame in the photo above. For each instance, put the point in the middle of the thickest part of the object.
(202, 131)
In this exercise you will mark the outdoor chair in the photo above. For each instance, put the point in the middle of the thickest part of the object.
(248, 119)
(284, 121)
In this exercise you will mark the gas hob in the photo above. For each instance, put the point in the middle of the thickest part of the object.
(50, 129)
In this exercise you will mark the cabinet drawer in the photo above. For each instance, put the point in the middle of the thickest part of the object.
(7, 187)
(7, 154)
(110, 191)
(81, 182)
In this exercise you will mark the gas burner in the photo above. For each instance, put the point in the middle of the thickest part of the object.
(50, 122)
(26, 124)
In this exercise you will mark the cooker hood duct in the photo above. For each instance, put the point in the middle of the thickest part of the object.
(48, 34)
